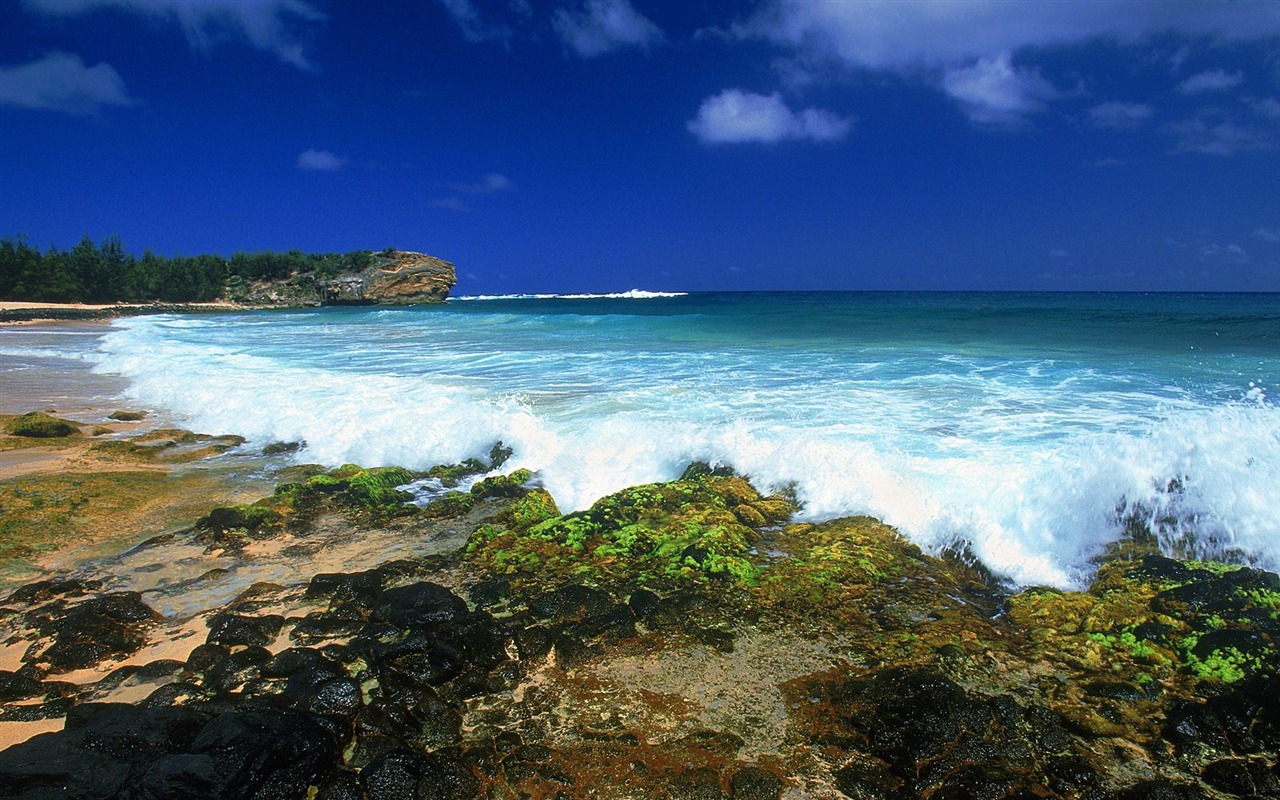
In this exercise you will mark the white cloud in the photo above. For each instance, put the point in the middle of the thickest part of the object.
(600, 26)
(994, 92)
(492, 183)
(965, 47)
(902, 35)
(321, 161)
(268, 25)
(62, 82)
(1223, 138)
(736, 116)
(1212, 80)
(1224, 253)
(1271, 235)
(1120, 116)
(475, 26)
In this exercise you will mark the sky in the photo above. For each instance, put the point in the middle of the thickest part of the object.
(607, 145)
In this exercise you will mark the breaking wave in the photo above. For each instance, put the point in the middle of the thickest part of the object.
(1036, 462)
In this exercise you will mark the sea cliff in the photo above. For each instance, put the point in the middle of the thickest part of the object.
(395, 277)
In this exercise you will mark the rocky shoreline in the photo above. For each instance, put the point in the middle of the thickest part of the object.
(680, 640)
(393, 277)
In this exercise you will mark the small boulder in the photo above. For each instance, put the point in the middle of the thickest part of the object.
(235, 630)
(38, 425)
(418, 605)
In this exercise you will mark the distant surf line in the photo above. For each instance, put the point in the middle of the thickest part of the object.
(633, 294)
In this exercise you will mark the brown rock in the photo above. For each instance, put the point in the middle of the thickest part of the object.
(396, 278)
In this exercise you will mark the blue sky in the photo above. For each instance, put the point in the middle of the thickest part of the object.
(599, 145)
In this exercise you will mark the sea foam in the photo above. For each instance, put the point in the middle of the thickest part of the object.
(1034, 463)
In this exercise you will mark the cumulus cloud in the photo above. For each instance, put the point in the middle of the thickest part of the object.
(475, 26)
(1120, 116)
(321, 161)
(994, 92)
(965, 48)
(491, 183)
(599, 26)
(1212, 80)
(61, 82)
(268, 25)
(735, 116)
(909, 34)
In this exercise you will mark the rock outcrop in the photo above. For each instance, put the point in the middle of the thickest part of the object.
(401, 278)
(395, 277)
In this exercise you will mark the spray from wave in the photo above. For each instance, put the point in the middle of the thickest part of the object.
(1006, 457)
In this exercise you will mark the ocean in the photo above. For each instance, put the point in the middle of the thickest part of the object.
(1031, 428)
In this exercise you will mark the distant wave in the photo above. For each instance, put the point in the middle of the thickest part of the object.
(634, 294)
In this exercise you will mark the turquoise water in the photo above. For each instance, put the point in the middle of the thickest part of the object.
(1028, 425)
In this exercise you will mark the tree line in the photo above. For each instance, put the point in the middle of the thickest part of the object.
(106, 273)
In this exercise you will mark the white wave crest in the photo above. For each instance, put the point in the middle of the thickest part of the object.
(1035, 480)
(633, 294)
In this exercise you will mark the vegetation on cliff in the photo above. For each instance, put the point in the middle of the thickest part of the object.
(106, 273)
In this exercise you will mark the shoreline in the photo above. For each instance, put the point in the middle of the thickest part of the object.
(692, 627)
(22, 312)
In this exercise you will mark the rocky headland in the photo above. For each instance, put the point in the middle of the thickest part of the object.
(684, 639)
(391, 277)
(395, 277)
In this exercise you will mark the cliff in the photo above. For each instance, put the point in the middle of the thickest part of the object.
(395, 277)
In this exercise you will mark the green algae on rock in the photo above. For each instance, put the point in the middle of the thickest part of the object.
(1150, 618)
(38, 425)
(685, 530)
(368, 495)
(524, 663)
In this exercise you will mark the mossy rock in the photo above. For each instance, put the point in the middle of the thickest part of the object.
(376, 488)
(249, 517)
(828, 568)
(298, 472)
(369, 493)
(1154, 616)
(127, 416)
(172, 436)
(38, 425)
(511, 485)
(125, 450)
(451, 504)
(48, 511)
(450, 475)
(673, 532)
(282, 448)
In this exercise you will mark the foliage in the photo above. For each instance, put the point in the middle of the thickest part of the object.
(106, 272)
